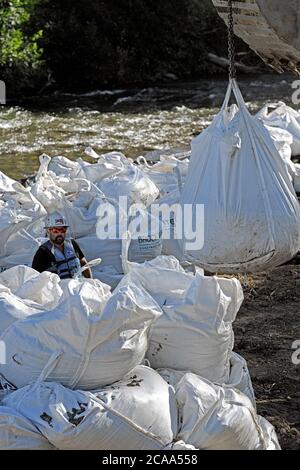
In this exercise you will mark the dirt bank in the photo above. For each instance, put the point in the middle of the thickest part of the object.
(267, 325)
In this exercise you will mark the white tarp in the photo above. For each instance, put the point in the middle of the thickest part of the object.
(137, 413)
(195, 331)
(217, 418)
(252, 215)
(91, 339)
(18, 433)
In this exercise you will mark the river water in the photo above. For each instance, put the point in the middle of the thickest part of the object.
(130, 121)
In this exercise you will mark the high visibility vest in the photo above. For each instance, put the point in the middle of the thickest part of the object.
(67, 264)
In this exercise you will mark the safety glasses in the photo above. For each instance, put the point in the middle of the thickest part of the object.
(58, 229)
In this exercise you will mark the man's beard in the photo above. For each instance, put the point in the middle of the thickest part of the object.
(57, 240)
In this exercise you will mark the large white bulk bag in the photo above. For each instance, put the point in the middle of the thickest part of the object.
(20, 248)
(21, 218)
(168, 174)
(76, 286)
(251, 212)
(25, 292)
(132, 183)
(217, 418)
(114, 175)
(239, 377)
(88, 340)
(104, 166)
(27, 283)
(137, 413)
(62, 166)
(195, 331)
(110, 251)
(18, 433)
(108, 275)
(15, 277)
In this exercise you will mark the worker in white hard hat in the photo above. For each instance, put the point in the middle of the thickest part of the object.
(60, 255)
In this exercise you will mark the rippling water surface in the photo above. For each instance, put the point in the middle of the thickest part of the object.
(132, 122)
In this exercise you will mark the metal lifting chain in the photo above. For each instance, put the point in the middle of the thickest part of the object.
(231, 44)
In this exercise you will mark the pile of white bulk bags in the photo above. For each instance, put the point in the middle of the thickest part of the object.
(79, 374)
(137, 413)
(195, 331)
(92, 338)
(78, 197)
(251, 212)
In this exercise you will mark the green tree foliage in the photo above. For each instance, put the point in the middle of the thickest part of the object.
(87, 44)
(20, 55)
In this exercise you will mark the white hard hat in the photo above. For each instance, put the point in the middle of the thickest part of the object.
(55, 220)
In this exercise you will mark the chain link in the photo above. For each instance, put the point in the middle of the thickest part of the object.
(231, 43)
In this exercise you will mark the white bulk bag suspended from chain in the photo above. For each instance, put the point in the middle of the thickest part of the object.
(251, 212)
